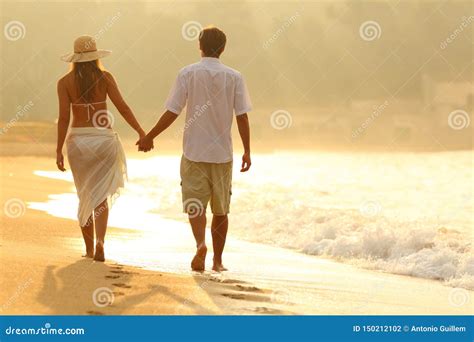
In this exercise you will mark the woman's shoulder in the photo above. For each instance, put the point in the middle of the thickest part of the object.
(107, 74)
(109, 78)
(63, 80)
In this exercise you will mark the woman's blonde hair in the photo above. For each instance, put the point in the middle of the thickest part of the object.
(88, 77)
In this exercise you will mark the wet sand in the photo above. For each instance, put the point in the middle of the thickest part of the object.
(147, 269)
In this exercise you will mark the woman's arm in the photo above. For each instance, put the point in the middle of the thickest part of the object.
(63, 122)
(117, 99)
(145, 144)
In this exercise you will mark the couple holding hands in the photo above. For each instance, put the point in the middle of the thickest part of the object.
(212, 94)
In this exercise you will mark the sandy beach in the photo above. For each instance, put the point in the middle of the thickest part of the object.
(146, 271)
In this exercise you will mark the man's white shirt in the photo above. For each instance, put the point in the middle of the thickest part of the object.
(212, 93)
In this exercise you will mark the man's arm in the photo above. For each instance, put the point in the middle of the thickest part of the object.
(146, 143)
(244, 131)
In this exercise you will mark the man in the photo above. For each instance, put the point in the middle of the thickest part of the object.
(212, 93)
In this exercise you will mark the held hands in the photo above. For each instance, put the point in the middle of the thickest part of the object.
(144, 143)
(60, 161)
(246, 162)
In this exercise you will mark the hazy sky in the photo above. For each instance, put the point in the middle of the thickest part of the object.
(295, 56)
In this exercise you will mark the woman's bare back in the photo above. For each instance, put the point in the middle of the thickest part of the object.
(86, 114)
(68, 97)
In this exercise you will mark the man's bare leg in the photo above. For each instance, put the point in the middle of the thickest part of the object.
(88, 235)
(198, 224)
(219, 227)
(101, 216)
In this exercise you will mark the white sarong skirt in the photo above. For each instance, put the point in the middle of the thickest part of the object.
(98, 165)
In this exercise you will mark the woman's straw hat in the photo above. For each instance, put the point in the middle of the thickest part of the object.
(85, 50)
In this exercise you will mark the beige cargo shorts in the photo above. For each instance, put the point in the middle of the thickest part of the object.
(202, 183)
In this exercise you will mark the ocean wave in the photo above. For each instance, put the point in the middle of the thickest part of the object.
(408, 214)
(413, 248)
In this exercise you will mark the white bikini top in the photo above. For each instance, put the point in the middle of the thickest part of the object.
(88, 105)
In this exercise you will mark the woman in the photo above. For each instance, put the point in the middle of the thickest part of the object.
(95, 153)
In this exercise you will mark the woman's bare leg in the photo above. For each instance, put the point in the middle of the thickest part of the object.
(88, 235)
(101, 216)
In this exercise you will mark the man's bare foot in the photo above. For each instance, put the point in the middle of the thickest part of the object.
(99, 252)
(219, 268)
(199, 260)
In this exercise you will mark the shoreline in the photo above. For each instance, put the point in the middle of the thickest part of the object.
(43, 272)
(168, 147)
(45, 275)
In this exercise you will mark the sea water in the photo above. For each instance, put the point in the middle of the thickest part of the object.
(402, 213)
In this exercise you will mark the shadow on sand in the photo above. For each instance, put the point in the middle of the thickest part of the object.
(234, 296)
(86, 287)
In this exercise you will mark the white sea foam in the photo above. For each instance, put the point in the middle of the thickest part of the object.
(409, 214)
(407, 248)
(401, 213)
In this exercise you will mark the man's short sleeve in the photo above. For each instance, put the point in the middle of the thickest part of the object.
(178, 95)
(242, 102)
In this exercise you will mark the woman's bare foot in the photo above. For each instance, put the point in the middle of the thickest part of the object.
(199, 260)
(99, 252)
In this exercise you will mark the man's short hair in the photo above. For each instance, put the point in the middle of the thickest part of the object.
(212, 41)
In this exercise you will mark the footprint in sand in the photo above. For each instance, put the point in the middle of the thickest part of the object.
(227, 281)
(123, 272)
(96, 313)
(248, 288)
(122, 285)
(269, 311)
(112, 276)
(247, 297)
